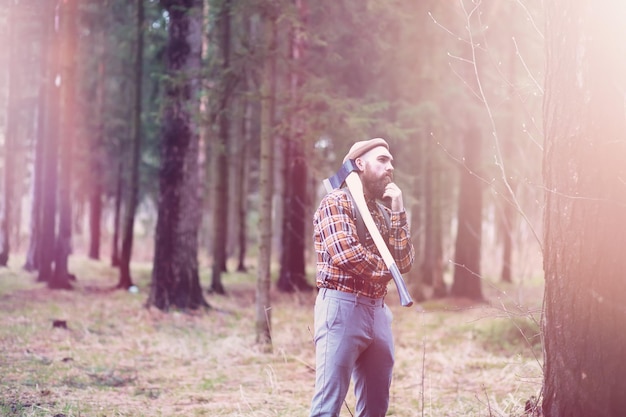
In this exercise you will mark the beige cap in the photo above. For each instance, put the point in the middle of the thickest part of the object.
(361, 147)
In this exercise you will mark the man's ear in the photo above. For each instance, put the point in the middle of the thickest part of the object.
(359, 164)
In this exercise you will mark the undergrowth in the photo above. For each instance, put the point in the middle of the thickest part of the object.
(115, 357)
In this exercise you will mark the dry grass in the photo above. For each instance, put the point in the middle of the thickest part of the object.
(117, 358)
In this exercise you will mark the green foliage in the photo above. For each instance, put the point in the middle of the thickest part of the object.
(106, 49)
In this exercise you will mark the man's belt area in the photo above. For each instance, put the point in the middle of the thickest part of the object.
(355, 285)
(352, 297)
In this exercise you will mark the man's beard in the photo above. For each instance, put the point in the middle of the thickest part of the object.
(375, 186)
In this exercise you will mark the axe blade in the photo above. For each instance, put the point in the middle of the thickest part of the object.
(337, 180)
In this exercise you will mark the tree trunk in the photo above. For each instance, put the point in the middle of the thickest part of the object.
(507, 211)
(467, 280)
(61, 275)
(432, 266)
(292, 266)
(242, 183)
(507, 216)
(117, 203)
(33, 253)
(11, 133)
(175, 278)
(268, 94)
(50, 135)
(126, 281)
(95, 194)
(221, 152)
(95, 219)
(584, 172)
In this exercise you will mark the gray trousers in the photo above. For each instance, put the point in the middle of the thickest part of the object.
(352, 339)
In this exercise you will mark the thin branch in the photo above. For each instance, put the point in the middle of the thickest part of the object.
(494, 129)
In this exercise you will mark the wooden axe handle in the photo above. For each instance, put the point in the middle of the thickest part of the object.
(356, 189)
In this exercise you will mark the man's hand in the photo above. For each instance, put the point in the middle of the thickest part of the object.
(393, 192)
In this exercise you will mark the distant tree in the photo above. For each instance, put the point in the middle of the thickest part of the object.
(432, 265)
(242, 187)
(266, 189)
(248, 105)
(33, 253)
(96, 162)
(117, 215)
(125, 280)
(505, 228)
(467, 280)
(221, 147)
(11, 133)
(49, 134)
(292, 275)
(584, 215)
(61, 275)
(175, 278)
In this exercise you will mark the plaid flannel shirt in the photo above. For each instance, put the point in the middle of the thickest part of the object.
(346, 264)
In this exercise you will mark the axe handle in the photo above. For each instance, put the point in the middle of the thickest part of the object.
(356, 189)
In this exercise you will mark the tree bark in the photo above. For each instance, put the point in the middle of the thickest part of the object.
(584, 171)
(175, 278)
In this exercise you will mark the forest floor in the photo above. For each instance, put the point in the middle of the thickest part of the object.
(114, 357)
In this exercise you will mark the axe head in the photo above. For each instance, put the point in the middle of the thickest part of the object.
(337, 180)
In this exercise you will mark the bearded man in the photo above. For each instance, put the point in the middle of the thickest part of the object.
(353, 337)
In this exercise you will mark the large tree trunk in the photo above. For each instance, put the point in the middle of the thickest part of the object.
(126, 281)
(221, 153)
(292, 266)
(467, 280)
(584, 176)
(175, 278)
(268, 88)
(61, 275)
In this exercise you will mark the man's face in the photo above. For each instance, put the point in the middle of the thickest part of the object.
(377, 171)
